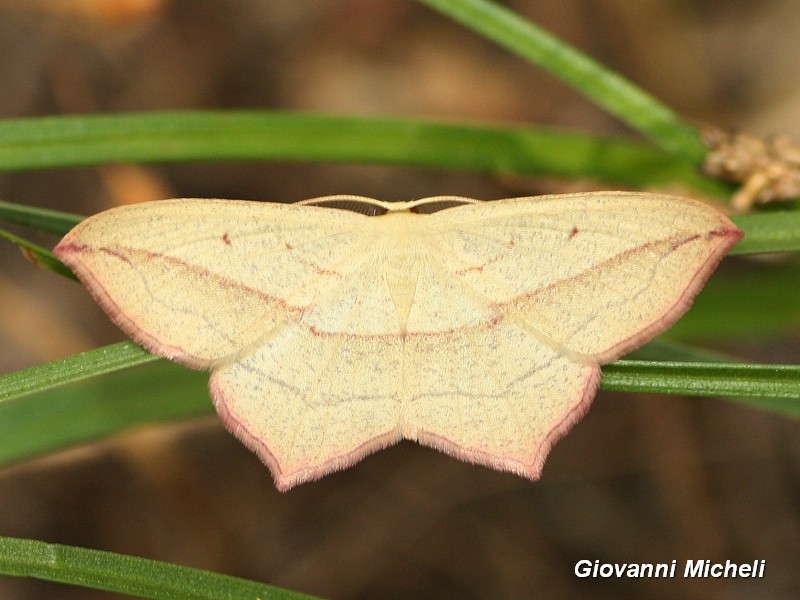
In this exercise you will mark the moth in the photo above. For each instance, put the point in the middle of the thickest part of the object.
(478, 329)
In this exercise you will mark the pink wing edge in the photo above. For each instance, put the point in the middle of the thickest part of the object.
(70, 253)
(724, 238)
(285, 481)
(533, 469)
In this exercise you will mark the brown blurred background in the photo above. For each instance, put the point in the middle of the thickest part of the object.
(641, 479)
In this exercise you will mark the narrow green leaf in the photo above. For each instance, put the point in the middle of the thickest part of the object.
(73, 368)
(607, 88)
(126, 354)
(38, 255)
(96, 408)
(774, 387)
(127, 574)
(100, 407)
(703, 379)
(38, 143)
(768, 232)
(41, 219)
(662, 350)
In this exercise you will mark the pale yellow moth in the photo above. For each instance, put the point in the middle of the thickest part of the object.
(478, 329)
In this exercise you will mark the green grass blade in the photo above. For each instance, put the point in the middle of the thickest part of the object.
(768, 232)
(773, 387)
(129, 574)
(661, 350)
(704, 379)
(41, 219)
(38, 255)
(73, 368)
(605, 87)
(37, 143)
(56, 416)
(119, 356)
(52, 416)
